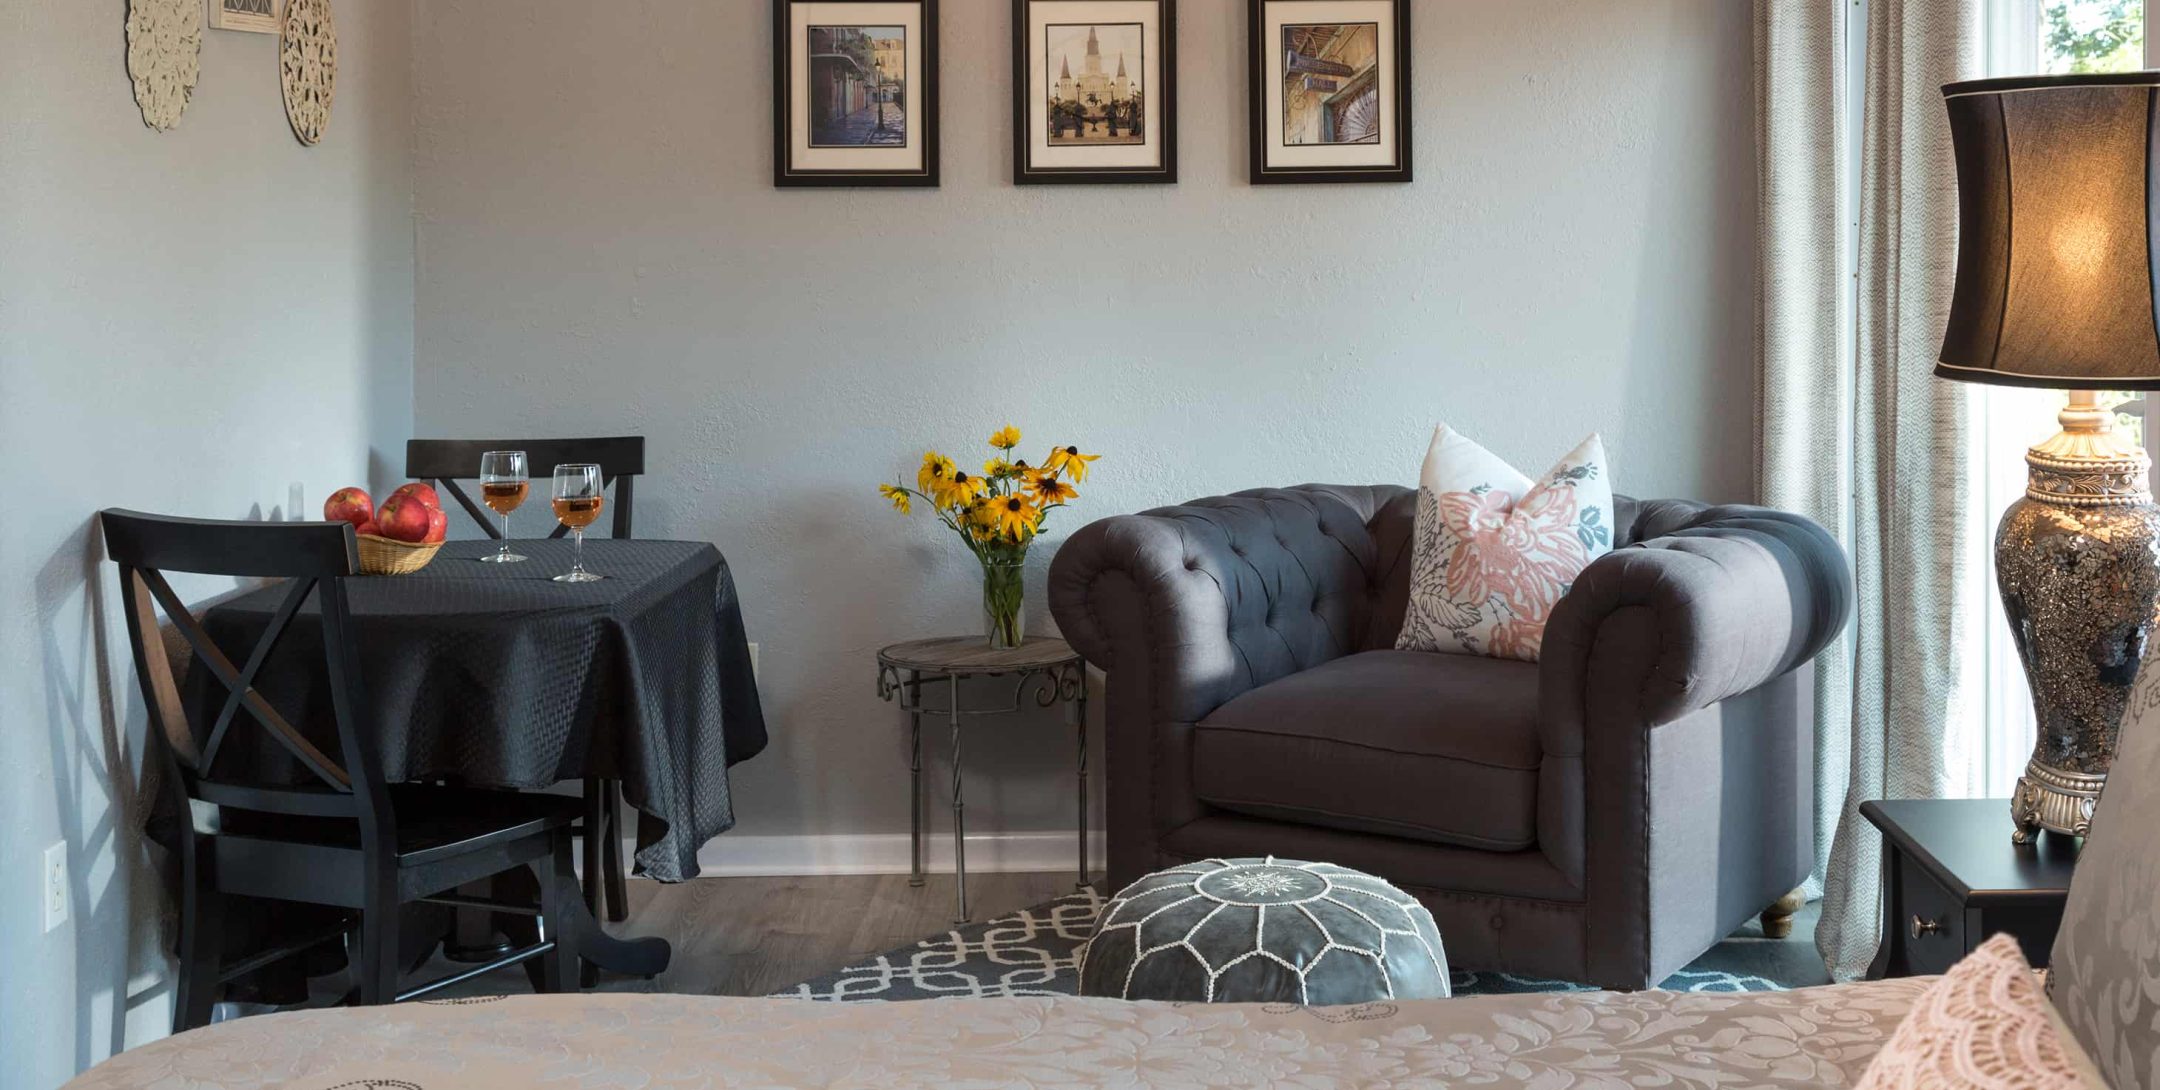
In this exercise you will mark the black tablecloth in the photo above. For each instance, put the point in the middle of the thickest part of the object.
(494, 675)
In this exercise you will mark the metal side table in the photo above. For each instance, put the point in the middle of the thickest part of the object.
(1045, 671)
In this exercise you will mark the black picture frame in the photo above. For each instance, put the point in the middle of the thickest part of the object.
(922, 107)
(1025, 172)
(1261, 172)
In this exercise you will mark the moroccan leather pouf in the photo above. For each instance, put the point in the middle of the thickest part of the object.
(1264, 931)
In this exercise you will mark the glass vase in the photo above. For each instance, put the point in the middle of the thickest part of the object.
(1003, 593)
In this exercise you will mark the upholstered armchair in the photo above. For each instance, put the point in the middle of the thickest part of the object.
(1603, 815)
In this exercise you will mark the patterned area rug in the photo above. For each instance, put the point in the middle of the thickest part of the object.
(1036, 951)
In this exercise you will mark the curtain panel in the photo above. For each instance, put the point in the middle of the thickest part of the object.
(1853, 428)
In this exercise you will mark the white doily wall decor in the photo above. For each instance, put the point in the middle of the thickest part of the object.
(164, 57)
(307, 65)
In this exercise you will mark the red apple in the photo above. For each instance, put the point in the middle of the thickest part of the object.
(404, 518)
(351, 505)
(369, 527)
(423, 492)
(438, 526)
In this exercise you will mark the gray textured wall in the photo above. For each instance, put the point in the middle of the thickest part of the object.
(212, 321)
(601, 251)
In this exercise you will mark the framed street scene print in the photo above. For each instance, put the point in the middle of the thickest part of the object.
(1094, 91)
(253, 16)
(855, 92)
(1330, 94)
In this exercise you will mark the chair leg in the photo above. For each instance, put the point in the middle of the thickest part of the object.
(594, 836)
(376, 969)
(595, 884)
(618, 897)
(1777, 919)
(558, 893)
(202, 938)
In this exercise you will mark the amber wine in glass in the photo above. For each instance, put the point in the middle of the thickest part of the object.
(503, 486)
(579, 496)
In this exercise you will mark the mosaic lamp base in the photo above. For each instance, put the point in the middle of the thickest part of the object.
(2078, 561)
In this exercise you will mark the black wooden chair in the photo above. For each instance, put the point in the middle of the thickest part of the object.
(347, 839)
(443, 463)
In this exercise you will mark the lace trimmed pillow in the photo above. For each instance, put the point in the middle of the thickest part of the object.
(1493, 552)
(1984, 1026)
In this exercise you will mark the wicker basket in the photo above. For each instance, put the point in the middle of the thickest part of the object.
(388, 556)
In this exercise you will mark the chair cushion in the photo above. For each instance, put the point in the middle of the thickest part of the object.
(1430, 747)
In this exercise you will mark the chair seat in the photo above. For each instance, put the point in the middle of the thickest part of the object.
(433, 822)
(1440, 748)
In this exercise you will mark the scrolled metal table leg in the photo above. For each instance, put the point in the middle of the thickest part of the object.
(910, 697)
(1081, 719)
(959, 822)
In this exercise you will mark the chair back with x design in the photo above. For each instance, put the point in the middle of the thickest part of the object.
(316, 558)
(445, 462)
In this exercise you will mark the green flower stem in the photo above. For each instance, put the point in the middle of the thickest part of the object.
(1003, 592)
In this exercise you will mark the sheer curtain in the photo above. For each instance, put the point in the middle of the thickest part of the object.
(1855, 430)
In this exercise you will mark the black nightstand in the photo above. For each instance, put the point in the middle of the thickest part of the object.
(1952, 879)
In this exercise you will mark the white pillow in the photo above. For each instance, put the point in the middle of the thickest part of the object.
(1493, 552)
(1984, 1025)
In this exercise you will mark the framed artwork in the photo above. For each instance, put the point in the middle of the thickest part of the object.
(253, 16)
(855, 93)
(1094, 91)
(1330, 94)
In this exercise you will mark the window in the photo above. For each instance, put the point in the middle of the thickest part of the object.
(2024, 37)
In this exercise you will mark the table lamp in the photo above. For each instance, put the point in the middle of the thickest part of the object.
(2058, 272)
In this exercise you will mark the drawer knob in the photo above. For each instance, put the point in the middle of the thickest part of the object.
(1923, 927)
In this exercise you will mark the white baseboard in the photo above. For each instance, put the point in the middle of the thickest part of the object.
(734, 855)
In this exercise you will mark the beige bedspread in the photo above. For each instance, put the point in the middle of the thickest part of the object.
(1809, 1037)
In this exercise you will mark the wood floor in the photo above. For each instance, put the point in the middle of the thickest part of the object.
(755, 936)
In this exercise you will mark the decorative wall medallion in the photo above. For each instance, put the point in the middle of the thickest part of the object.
(164, 57)
(307, 64)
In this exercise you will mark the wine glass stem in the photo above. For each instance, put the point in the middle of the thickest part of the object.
(577, 549)
(504, 552)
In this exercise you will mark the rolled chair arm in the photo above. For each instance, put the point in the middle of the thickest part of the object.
(1211, 598)
(1711, 602)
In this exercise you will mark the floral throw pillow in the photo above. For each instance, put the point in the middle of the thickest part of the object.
(1984, 1026)
(1493, 551)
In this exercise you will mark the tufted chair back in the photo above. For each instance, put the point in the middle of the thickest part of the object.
(1291, 566)
(1389, 513)
(1305, 574)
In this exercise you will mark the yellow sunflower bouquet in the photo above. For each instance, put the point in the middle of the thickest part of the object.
(996, 514)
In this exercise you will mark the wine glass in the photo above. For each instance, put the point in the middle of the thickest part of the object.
(503, 487)
(579, 496)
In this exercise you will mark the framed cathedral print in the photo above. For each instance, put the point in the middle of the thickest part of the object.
(1094, 91)
(855, 98)
(1330, 94)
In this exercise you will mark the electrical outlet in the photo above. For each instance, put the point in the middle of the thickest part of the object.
(56, 884)
(753, 664)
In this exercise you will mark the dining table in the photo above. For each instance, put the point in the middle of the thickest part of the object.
(497, 676)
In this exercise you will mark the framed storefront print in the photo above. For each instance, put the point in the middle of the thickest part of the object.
(855, 93)
(1330, 91)
(1094, 91)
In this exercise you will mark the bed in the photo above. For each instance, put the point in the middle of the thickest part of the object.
(1811, 1037)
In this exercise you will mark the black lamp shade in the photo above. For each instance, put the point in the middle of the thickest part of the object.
(2056, 232)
